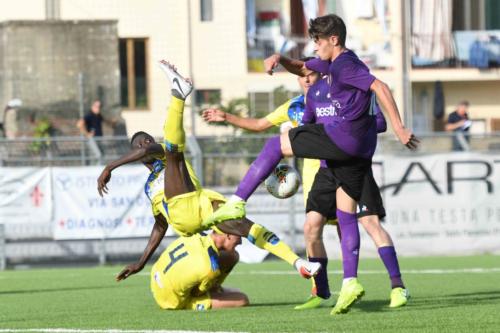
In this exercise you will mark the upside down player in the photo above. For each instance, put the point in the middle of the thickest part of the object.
(190, 272)
(176, 195)
(347, 146)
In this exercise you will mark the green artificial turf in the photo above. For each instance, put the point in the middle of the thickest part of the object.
(444, 299)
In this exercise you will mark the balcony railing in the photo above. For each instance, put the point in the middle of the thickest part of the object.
(466, 49)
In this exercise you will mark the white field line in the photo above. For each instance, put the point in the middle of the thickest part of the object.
(75, 330)
(364, 271)
(409, 271)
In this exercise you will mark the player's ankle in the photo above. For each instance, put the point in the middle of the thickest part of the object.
(346, 280)
(177, 94)
(298, 264)
(235, 198)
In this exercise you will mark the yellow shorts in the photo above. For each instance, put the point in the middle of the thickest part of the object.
(185, 212)
(167, 299)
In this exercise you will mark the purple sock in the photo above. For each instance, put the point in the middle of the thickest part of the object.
(390, 260)
(262, 167)
(349, 243)
(321, 279)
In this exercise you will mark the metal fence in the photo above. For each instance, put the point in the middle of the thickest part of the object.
(220, 163)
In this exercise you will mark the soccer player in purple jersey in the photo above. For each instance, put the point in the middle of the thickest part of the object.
(321, 203)
(347, 146)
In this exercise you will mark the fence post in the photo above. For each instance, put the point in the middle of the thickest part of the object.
(102, 251)
(3, 256)
(195, 150)
(291, 220)
(81, 114)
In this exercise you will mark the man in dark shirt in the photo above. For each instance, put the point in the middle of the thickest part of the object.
(91, 124)
(458, 122)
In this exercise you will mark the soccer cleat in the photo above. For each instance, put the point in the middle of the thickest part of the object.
(349, 294)
(307, 269)
(229, 211)
(399, 297)
(312, 302)
(180, 85)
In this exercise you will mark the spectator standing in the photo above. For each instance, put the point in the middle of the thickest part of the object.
(91, 124)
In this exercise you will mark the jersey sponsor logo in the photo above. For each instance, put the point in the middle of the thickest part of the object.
(326, 111)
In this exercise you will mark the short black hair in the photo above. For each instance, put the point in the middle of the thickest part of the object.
(304, 59)
(326, 26)
(137, 134)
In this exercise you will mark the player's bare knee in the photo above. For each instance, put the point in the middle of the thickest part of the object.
(370, 223)
(313, 227)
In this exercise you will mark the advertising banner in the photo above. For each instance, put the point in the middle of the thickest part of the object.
(25, 196)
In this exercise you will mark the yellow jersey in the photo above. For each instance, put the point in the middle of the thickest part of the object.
(187, 270)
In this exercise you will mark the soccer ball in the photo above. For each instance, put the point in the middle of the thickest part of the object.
(283, 182)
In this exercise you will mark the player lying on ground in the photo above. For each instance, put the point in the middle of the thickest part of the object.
(190, 272)
(347, 145)
(321, 203)
(176, 195)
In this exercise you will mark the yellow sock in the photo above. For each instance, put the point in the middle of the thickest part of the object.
(173, 129)
(267, 240)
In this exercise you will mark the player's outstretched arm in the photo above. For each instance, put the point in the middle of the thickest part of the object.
(293, 66)
(159, 229)
(132, 156)
(385, 98)
(213, 115)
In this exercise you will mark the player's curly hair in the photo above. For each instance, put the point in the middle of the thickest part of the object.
(326, 26)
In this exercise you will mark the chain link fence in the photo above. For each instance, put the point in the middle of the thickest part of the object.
(220, 163)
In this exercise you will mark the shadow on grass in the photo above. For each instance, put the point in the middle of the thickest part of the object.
(455, 300)
(371, 305)
(35, 291)
(271, 304)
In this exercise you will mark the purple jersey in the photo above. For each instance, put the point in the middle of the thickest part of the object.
(319, 107)
(350, 94)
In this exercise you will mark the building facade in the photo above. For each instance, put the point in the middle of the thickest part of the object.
(220, 45)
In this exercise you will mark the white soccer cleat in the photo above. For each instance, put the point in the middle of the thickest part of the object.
(306, 268)
(180, 85)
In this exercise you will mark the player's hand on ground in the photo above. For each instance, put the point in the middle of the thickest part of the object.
(129, 270)
(407, 138)
(102, 182)
(271, 63)
(212, 115)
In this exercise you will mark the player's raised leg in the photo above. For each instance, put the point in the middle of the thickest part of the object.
(265, 239)
(259, 170)
(176, 173)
